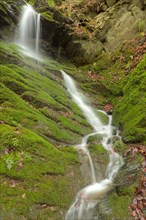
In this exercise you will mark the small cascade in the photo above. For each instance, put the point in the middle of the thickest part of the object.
(86, 199)
(29, 32)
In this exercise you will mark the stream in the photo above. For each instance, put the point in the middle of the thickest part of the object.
(87, 198)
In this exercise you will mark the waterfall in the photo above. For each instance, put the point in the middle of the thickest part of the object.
(29, 31)
(86, 198)
(37, 46)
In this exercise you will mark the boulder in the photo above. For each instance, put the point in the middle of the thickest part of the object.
(125, 26)
(83, 52)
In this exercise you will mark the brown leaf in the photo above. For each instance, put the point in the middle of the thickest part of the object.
(134, 213)
(140, 205)
(135, 201)
(132, 206)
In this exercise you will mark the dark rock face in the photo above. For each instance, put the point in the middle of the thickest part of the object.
(83, 38)
(9, 13)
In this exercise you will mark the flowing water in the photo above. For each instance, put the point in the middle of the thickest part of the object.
(29, 32)
(86, 199)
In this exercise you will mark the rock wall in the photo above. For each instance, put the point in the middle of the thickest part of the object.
(9, 14)
(93, 28)
(81, 31)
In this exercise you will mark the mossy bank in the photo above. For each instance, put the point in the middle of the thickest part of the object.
(39, 171)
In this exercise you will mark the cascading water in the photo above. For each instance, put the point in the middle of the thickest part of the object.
(29, 32)
(86, 199)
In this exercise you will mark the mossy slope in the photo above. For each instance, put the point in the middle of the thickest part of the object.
(38, 120)
(33, 174)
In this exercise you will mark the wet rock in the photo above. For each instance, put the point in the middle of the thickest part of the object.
(9, 12)
(108, 108)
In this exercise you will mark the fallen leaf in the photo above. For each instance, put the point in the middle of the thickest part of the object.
(23, 195)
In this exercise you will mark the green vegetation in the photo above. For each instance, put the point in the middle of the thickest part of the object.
(121, 198)
(38, 118)
(39, 170)
(126, 91)
(31, 2)
(39, 121)
(51, 3)
(43, 101)
(140, 25)
(119, 205)
(131, 109)
(48, 15)
(33, 172)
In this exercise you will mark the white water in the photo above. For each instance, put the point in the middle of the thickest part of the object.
(29, 32)
(86, 199)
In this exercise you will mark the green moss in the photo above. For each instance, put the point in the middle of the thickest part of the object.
(31, 2)
(131, 110)
(126, 191)
(97, 149)
(103, 63)
(51, 3)
(119, 146)
(38, 118)
(40, 179)
(71, 154)
(36, 111)
(42, 93)
(48, 16)
(13, 80)
(9, 53)
(119, 206)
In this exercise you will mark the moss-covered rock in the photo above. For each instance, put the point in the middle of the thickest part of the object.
(83, 52)
(131, 110)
